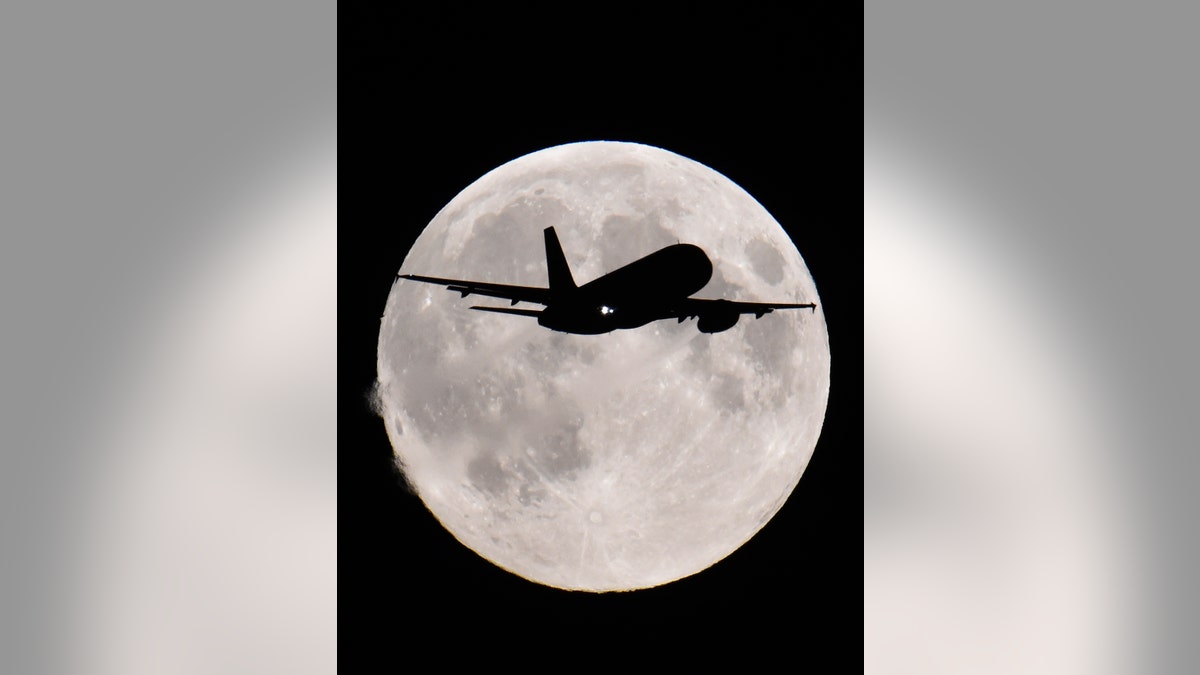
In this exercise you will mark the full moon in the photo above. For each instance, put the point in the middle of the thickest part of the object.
(605, 462)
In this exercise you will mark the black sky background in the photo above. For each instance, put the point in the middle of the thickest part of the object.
(435, 99)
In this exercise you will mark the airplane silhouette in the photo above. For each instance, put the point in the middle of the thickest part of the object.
(653, 288)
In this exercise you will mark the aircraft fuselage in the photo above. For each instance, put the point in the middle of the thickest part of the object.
(632, 296)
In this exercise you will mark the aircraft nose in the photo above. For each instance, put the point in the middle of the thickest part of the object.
(696, 259)
(701, 258)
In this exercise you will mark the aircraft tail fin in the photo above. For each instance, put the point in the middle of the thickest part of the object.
(556, 264)
(508, 310)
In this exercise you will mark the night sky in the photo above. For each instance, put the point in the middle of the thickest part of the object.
(433, 100)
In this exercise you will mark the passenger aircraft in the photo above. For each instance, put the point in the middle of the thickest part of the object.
(653, 288)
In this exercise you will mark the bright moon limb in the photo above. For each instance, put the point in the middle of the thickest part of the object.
(608, 462)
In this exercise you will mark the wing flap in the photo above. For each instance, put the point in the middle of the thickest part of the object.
(693, 307)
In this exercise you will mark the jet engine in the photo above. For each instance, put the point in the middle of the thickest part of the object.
(717, 320)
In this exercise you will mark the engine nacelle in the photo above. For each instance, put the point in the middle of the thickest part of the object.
(717, 320)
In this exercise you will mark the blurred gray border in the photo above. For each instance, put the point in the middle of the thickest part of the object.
(1083, 116)
(126, 127)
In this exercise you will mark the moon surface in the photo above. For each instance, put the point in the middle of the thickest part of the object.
(609, 462)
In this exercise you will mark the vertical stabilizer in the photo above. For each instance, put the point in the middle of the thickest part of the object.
(556, 264)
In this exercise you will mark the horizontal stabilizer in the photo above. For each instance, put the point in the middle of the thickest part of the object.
(509, 310)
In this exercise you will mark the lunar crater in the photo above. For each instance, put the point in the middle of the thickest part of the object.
(765, 261)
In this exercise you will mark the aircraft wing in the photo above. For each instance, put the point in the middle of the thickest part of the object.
(515, 294)
(694, 307)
